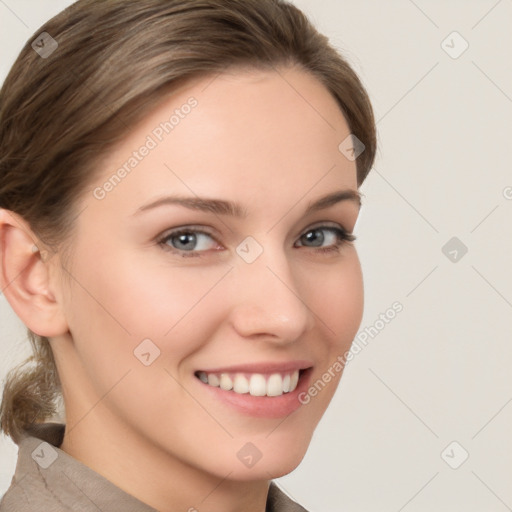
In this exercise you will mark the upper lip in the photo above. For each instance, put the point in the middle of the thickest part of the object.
(263, 367)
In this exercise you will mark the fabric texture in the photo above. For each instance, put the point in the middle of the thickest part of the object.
(48, 479)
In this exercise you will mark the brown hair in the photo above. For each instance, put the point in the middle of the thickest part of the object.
(115, 61)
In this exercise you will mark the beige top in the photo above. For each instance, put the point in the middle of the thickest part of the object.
(48, 479)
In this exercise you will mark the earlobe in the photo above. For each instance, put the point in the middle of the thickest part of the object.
(25, 278)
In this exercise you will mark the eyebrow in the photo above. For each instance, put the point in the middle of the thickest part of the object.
(234, 209)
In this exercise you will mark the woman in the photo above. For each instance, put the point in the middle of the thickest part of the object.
(179, 186)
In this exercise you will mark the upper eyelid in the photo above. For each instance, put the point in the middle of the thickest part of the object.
(201, 230)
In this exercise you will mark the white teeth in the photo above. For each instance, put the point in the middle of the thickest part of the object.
(225, 382)
(286, 383)
(213, 380)
(240, 384)
(294, 380)
(256, 385)
(275, 385)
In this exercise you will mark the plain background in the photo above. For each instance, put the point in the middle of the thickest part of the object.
(439, 372)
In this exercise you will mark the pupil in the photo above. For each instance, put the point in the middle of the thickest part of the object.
(313, 236)
(183, 239)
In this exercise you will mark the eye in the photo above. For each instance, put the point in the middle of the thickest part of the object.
(187, 240)
(191, 242)
(337, 237)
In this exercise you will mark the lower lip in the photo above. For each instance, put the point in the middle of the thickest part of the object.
(262, 406)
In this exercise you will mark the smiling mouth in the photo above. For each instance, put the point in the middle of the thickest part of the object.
(254, 384)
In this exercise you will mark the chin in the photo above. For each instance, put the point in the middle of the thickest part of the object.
(274, 463)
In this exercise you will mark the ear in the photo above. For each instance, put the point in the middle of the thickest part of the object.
(25, 278)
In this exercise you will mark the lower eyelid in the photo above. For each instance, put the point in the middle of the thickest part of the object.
(342, 236)
(164, 239)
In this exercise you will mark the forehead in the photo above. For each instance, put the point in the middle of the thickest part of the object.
(244, 134)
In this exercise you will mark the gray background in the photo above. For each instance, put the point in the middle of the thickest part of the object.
(440, 371)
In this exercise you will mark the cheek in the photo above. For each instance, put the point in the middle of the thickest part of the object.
(337, 304)
(116, 308)
(171, 303)
(351, 301)
(336, 298)
(132, 300)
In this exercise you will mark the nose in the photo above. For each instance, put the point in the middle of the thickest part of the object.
(268, 302)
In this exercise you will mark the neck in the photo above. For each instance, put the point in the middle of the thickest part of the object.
(155, 477)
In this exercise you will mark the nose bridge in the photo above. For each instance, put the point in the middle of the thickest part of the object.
(268, 297)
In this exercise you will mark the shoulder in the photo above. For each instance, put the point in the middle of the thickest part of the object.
(29, 490)
(50, 480)
(278, 501)
(14, 500)
(28, 495)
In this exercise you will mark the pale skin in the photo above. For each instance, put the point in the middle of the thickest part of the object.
(153, 430)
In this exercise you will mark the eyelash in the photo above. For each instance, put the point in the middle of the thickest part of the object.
(342, 236)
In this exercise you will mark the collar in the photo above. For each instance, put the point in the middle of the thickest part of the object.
(47, 478)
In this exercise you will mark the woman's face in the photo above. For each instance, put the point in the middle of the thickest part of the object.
(162, 295)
